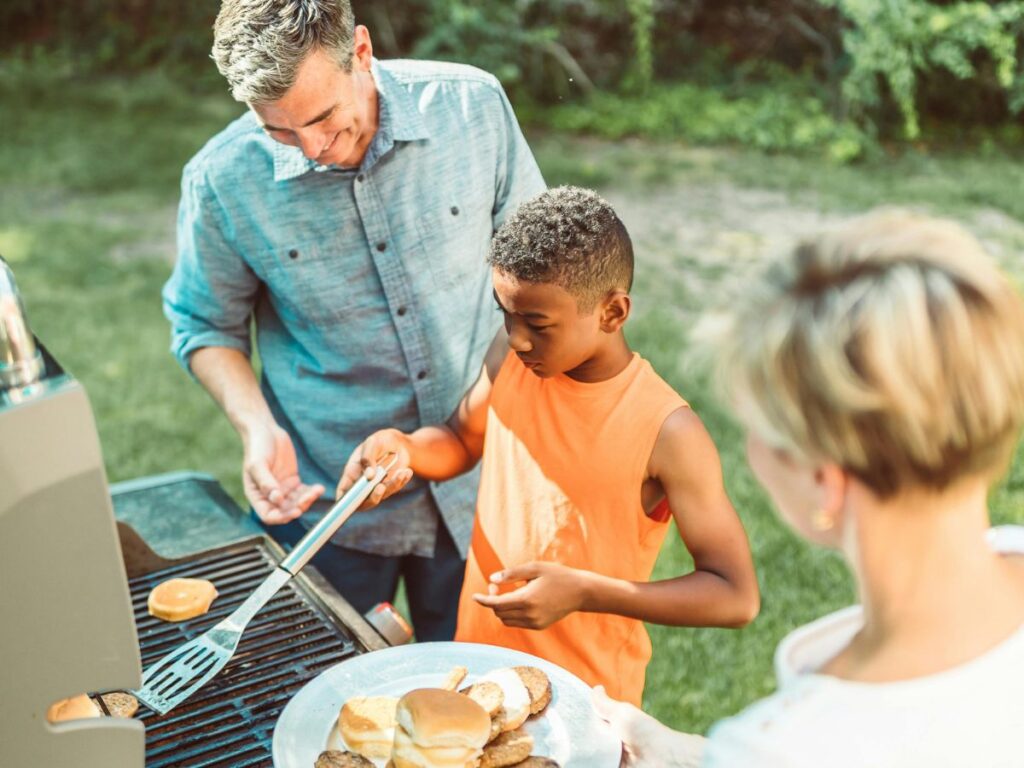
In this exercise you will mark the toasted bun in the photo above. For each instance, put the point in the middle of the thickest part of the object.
(433, 717)
(120, 704)
(180, 599)
(75, 708)
(367, 723)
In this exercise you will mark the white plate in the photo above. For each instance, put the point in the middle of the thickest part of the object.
(568, 730)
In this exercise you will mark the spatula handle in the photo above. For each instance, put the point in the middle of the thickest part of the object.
(321, 533)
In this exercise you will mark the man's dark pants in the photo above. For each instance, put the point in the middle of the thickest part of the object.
(432, 584)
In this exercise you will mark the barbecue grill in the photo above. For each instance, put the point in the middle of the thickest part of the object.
(303, 630)
(75, 586)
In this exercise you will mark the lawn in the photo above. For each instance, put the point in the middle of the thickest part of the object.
(88, 187)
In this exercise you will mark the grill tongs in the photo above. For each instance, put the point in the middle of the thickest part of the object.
(186, 669)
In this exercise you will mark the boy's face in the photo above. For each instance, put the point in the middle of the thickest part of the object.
(545, 327)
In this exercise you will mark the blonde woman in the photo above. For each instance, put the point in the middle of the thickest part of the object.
(880, 374)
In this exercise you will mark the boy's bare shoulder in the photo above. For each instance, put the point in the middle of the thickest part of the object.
(682, 441)
(681, 425)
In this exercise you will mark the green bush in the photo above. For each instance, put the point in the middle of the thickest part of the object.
(864, 68)
(780, 116)
(893, 46)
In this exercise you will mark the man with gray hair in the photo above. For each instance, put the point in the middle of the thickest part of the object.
(347, 217)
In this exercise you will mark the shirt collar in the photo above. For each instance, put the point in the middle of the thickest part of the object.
(399, 120)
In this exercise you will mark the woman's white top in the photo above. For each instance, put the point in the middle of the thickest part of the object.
(971, 716)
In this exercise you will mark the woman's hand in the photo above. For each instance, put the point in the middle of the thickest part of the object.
(551, 592)
(646, 743)
(373, 451)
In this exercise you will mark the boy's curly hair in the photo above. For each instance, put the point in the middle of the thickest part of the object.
(570, 237)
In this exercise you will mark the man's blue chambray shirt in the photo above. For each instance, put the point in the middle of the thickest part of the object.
(369, 287)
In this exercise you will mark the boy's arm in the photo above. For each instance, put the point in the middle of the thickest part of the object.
(434, 452)
(721, 591)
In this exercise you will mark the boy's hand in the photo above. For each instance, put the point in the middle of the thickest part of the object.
(365, 458)
(646, 743)
(551, 592)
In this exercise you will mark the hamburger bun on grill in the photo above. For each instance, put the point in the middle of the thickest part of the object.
(537, 762)
(120, 704)
(180, 599)
(367, 723)
(439, 729)
(74, 708)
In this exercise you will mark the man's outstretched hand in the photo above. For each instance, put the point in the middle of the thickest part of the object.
(270, 476)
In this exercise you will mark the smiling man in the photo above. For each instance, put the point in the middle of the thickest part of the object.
(345, 219)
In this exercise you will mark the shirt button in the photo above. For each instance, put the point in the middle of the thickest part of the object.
(421, 375)
(360, 177)
(293, 254)
(402, 311)
(455, 210)
(382, 246)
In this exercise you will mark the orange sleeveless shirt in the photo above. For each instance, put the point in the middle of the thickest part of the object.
(563, 466)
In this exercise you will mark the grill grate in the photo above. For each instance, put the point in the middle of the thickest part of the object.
(229, 723)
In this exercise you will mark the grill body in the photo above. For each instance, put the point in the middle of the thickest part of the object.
(302, 631)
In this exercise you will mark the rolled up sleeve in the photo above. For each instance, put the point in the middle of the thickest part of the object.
(210, 294)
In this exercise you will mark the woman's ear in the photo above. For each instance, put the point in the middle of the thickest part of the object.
(615, 311)
(831, 482)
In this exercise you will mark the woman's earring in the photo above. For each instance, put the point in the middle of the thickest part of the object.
(822, 520)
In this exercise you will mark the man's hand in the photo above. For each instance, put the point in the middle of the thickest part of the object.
(551, 592)
(368, 455)
(646, 743)
(270, 476)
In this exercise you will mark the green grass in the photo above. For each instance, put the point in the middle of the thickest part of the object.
(88, 184)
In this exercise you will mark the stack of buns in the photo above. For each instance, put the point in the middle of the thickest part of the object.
(481, 726)
(439, 729)
(367, 723)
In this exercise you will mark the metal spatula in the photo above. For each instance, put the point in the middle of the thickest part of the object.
(189, 667)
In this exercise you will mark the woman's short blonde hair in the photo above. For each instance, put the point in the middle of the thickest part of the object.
(892, 346)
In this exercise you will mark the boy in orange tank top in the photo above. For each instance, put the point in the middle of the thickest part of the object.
(583, 444)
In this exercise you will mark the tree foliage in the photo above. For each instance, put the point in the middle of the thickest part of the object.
(882, 66)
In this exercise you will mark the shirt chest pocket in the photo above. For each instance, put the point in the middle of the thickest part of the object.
(321, 283)
(455, 230)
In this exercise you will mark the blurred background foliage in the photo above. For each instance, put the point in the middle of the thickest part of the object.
(842, 77)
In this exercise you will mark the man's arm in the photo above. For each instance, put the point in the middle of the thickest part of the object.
(270, 472)
(721, 591)
(208, 301)
(434, 452)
